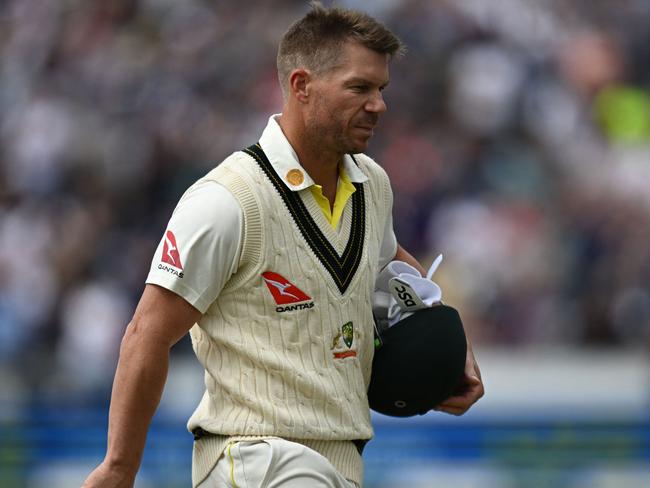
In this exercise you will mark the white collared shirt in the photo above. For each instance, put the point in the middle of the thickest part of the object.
(207, 228)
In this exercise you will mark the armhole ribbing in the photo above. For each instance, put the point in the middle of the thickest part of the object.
(252, 241)
(388, 195)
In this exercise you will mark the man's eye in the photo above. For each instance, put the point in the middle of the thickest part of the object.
(359, 88)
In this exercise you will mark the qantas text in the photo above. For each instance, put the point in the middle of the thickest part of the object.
(170, 270)
(291, 308)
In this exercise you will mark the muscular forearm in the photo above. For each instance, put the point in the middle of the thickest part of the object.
(138, 386)
(160, 320)
(403, 255)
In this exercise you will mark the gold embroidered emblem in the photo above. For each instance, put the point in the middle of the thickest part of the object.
(295, 177)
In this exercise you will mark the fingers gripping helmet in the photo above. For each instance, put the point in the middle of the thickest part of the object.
(420, 362)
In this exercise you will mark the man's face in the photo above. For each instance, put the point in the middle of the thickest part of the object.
(347, 101)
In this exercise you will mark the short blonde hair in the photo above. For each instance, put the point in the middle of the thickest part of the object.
(315, 41)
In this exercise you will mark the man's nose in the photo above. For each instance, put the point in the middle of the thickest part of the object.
(376, 103)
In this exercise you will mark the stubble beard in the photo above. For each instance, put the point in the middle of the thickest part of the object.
(329, 136)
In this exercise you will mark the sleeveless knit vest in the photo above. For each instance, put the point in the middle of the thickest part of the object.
(287, 346)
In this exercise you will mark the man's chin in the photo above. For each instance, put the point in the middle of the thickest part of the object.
(359, 145)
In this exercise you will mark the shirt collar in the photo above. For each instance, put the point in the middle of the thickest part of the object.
(284, 159)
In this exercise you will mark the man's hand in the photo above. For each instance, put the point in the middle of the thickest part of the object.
(106, 477)
(470, 390)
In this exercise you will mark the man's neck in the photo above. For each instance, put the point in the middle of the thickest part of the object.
(321, 164)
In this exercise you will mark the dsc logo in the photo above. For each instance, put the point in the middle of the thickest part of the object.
(405, 296)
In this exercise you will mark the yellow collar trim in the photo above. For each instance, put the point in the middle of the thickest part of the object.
(344, 191)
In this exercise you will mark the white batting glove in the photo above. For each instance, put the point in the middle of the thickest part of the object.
(393, 269)
(400, 290)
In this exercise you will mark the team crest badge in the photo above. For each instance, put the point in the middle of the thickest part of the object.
(342, 344)
(348, 333)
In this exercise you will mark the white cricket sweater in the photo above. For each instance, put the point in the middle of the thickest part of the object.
(298, 368)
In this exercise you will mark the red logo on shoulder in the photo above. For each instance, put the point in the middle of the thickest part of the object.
(283, 291)
(170, 253)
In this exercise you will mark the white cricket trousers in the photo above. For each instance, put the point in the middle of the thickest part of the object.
(273, 463)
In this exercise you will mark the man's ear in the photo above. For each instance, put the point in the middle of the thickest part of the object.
(299, 84)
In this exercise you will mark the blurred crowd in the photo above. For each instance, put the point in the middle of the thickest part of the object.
(517, 140)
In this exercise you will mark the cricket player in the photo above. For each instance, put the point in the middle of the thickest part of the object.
(269, 261)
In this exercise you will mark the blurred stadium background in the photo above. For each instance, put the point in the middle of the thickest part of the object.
(518, 143)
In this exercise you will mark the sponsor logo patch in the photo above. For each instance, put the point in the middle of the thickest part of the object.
(170, 253)
(287, 296)
(171, 256)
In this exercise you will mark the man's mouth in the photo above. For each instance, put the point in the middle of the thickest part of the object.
(368, 129)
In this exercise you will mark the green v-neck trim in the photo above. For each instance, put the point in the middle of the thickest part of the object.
(342, 268)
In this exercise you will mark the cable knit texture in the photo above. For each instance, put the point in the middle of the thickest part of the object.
(295, 374)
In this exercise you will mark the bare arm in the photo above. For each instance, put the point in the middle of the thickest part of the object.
(471, 388)
(403, 255)
(160, 320)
